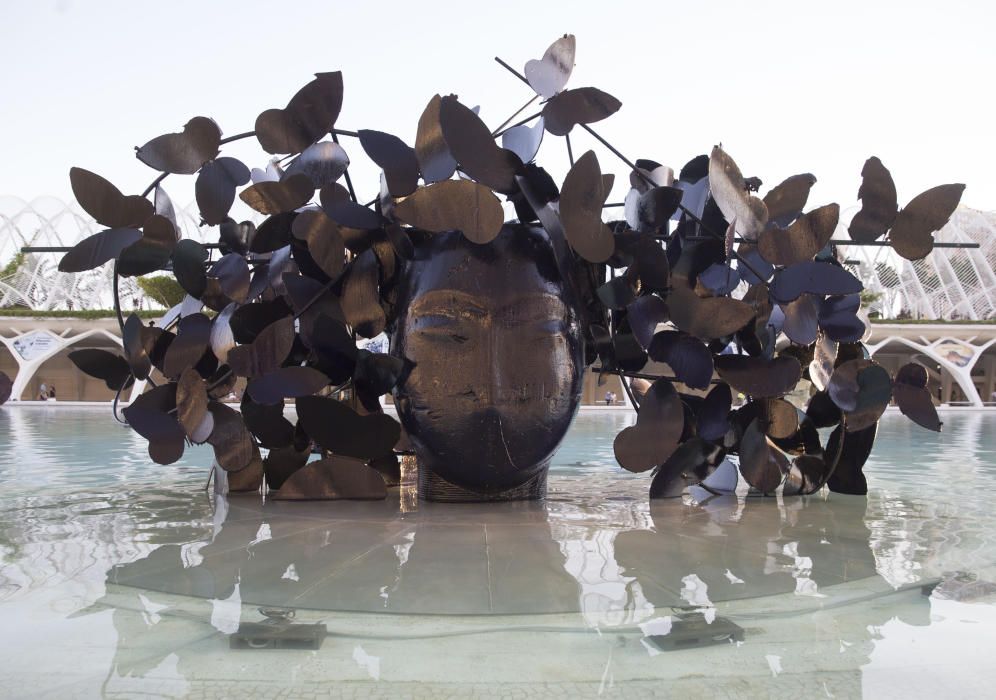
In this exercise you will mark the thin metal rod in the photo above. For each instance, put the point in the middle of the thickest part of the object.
(117, 299)
(570, 151)
(237, 137)
(642, 375)
(511, 70)
(152, 186)
(344, 132)
(349, 181)
(845, 242)
(519, 111)
(609, 205)
(519, 123)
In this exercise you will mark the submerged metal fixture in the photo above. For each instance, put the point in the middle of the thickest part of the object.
(278, 632)
(694, 631)
(707, 288)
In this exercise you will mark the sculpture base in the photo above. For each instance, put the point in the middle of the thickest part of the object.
(432, 487)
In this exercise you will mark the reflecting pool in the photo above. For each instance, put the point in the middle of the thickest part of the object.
(122, 578)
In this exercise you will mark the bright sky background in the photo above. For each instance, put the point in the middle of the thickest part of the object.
(787, 87)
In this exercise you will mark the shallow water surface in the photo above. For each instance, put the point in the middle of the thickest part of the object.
(122, 578)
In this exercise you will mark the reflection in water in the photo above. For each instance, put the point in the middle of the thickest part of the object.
(140, 579)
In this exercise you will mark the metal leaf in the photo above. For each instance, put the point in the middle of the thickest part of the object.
(758, 377)
(434, 158)
(266, 352)
(333, 478)
(360, 298)
(644, 315)
(149, 416)
(581, 200)
(215, 188)
(93, 251)
(548, 75)
(713, 414)
(188, 266)
(469, 141)
(720, 279)
(152, 251)
(800, 324)
(688, 465)
(812, 278)
(282, 462)
(192, 336)
(324, 162)
(878, 203)
(222, 339)
(267, 423)
(585, 105)
(105, 203)
(309, 115)
(524, 140)
(138, 341)
(277, 197)
(183, 153)
(101, 364)
(652, 210)
(191, 401)
(232, 273)
(325, 245)
(708, 319)
(688, 356)
(460, 205)
(729, 190)
(862, 389)
(854, 448)
(762, 465)
(395, 157)
(912, 232)
(232, 443)
(659, 426)
(286, 383)
(802, 240)
(339, 429)
(786, 201)
(913, 398)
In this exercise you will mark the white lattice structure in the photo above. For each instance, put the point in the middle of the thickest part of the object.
(949, 285)
(37, 283)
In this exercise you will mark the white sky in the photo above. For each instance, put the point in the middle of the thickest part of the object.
(787, 87)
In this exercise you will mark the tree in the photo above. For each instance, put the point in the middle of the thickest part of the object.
(166, 291)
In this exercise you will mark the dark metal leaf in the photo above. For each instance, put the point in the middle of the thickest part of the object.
(644, 315)
(659, 426)
(105, 203)
(215, 188)
(471, 144)
(335, 349)
(6, 386)
(138, 341)
(333, 478)
(183, 153)
(581, 200)
(800, 241)
(360, 298)
(800, 324)
(713, 414)
(191, 401)
(758, 377)
(249, 320)
(720, 279)
(460, 205)
(617, 293)
(266, 352)
(762, 465)
(839, 320)
(912, 232)
(93, 251)
(235, 237)
(277, 197)
(822, 411)
(862, 389)
(913, 398)
(232, 273)
(150, 415)
(152, 251)
(274, 233)
(878, 203)
(786, 201)
(339, 429)
(188, 266)
(232, 443)
(651, 263)
(309, 115)
(651, 210)
(267, 423)
(192, 336)
(395, 157)
(585, 105)
(740, 208)
(848, 476)
(688, 356)
(101, 364)
(778, 419)
(548, 75)
(314, 227)
(708, 319)
(323, 162)
(688, 465)
(282, 462)
(812, 278)
(286, 383)
(352, 215)
(434, 157)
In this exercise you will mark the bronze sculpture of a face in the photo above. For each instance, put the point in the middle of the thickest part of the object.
(498, 364)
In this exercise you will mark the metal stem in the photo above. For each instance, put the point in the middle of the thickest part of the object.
(349, 181)
(517, 113)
